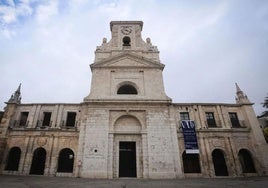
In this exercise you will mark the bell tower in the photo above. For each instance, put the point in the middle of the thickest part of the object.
(126, 107)
(127, 68)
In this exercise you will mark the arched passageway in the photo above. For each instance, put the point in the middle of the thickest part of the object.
(66, 160)
(13, 159)
(246, 161)
(38, 161)
(219, 163)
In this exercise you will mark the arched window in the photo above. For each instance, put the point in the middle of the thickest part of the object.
(126, 41)
(246, 161)
(66, 160)
(219, 163)
(127, 89)
(38, 161)
(191, 163)
(13, 159)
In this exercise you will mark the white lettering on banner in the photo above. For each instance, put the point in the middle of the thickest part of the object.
(187, 124)
(189, 134)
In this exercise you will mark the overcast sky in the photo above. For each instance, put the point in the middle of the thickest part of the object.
(206, 45)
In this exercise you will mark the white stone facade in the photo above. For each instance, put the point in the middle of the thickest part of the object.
(128, 127)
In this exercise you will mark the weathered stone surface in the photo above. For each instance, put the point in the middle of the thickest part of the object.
(143, 114)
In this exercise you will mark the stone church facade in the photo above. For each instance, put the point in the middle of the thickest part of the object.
(128, 127)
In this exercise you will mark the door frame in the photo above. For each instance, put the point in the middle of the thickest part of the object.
(127, 138)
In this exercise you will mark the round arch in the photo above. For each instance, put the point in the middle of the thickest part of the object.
(38, 161)
(65, 160)
(127, 88)
(13, 159)
(219, 162)
(246, 161)
(126, 41)
(127, 123)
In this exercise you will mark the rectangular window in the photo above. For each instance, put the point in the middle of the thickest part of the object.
(234, 120)
(70, 121)
(210, 119)
(23, 118)
(46, 120)
(184, 116)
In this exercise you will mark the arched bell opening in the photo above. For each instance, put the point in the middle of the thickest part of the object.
(126, 41)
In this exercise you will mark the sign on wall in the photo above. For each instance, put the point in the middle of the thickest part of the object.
(189, 134)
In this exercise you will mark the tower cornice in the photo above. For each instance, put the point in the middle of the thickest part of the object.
(112, 23)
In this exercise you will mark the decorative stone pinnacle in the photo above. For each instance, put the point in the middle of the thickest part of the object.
(241, 98)
(16, 97)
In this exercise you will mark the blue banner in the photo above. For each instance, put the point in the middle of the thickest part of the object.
(189, 134)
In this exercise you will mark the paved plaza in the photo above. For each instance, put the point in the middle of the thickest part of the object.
(60, 182)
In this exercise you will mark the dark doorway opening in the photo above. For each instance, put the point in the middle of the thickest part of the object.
(191, 163)
(219, 163)
(38, 161)
(127, 159)
(13, 159)
(66, 160)
(246, 161)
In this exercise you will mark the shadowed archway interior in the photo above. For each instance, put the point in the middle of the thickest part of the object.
(13, 159)
(38, 161)
(219, 163)
(246, 161)
(66, 160)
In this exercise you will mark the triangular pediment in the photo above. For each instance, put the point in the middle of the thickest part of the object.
(128, 60)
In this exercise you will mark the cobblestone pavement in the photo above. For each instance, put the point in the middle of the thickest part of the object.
(60, 182)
